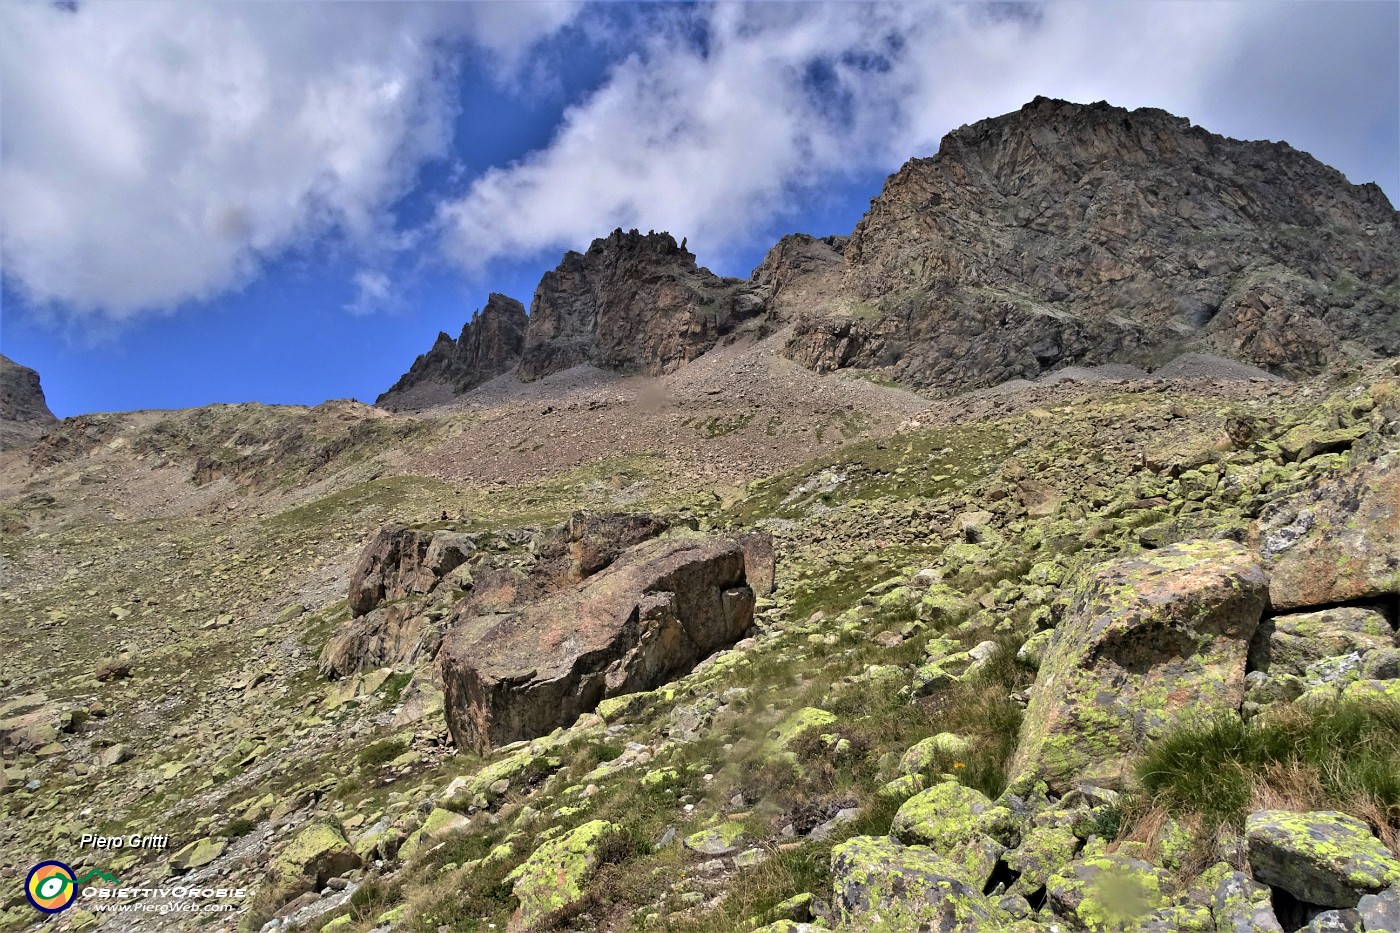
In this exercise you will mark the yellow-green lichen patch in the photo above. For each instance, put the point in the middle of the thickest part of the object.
(555, 875)
(1322, 857)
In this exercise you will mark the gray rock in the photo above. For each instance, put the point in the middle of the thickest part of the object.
(907, 886)
(652, 615)
(1242, 905)
(1323, 857)
(1334, 921)
(1380, 913)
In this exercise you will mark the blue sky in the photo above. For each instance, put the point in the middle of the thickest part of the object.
(285, 202)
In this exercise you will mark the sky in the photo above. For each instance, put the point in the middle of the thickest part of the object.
(286, 201)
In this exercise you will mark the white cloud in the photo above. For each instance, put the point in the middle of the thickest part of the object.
(717, 139)
(155, 153)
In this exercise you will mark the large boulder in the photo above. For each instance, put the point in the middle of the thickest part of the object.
(1108, 893)
(877, 884)
(554, 876)
(653, 614)
(315, 855)
(1146, 639)
(399, 562)
(1290, 644)
(1339, 539)
(1322, 858)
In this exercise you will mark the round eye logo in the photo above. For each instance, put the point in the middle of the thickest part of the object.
(50, 887)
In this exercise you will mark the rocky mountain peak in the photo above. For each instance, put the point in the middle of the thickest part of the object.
(490, 344)
(1070, 233)
(633, 303)
(24, 413)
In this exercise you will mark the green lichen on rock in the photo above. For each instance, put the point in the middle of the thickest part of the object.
(1322, 857)
(723, 839)
(555, 875)
(1109, 893)
(1044, 851)
(879, 885)
(317, 853)
(949, 814)
(933, 754)
(1146, 639)
(804, 720)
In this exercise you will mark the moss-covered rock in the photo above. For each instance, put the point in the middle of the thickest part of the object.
(949, 814)
(724, 839)
(1146, 639)
(315, 855)
(879, 885)
(804, 720)
(1242, 905)
(1322, 857)
(555, 875)
(1044, 851)
(1109, 893)
(934, 754)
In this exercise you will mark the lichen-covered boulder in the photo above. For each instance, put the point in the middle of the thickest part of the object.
(1290, 644)
(653, 614)
(1339, 539)
(495, 779)
(315, 855)
(1044, 852)
(935, 753)
(949, 814)
(554, 876)
(1242, 905)
(1109, 892)
(724, 839)
(1146, 639)
(1323, 857)
(879, 885)
(800, 722)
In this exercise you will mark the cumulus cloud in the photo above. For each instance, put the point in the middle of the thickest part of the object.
(728, 115)
(156, 153)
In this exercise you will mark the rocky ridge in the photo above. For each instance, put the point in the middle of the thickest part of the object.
(1058, 235)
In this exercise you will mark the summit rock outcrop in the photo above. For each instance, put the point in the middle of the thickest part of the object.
(1059, 235)
(1086, 234)
(24, 413)
(490, 344)
(634, 303)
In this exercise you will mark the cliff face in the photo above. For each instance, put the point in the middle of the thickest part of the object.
(24, 414)
(489, 345)
(632, 303)
(1067, 233)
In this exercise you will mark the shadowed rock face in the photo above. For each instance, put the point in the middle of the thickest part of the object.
(489, 345)
(654, 613)
(1338, 540)
(24, 414)
(1066, 233)
(633, 303)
